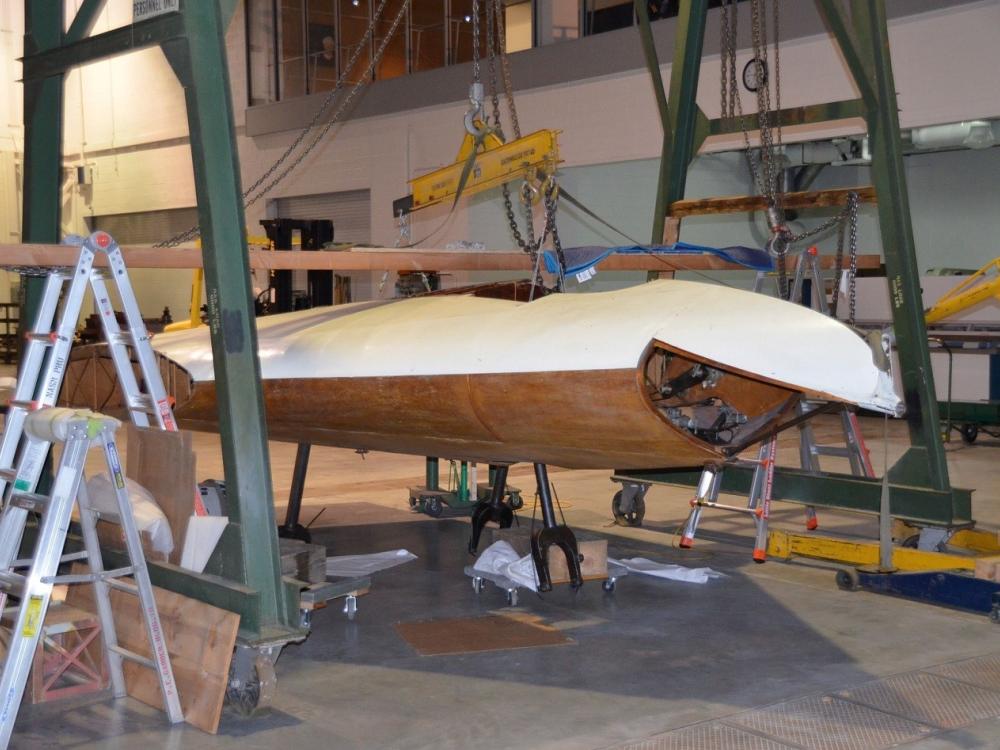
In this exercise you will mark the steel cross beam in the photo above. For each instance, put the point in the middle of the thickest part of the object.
(193, 41)
(863, 40)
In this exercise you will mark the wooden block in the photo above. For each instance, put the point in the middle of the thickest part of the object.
(164, 463)
(593, 566)
(306, 562)
(671, 230)
(986, 568)
(200, 639)
(594, 550)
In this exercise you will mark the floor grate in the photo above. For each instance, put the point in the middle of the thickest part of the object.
(827, 723)
(927, 698)
(709, 736)
(983, 671)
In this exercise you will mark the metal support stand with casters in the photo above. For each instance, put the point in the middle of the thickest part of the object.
(480, 577)
(494, 510)
(433, 500)
(550, 534)
(436, 501)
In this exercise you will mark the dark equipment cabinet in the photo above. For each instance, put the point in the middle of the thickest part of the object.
(314, 235)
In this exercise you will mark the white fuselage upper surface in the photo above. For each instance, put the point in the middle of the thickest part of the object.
(462, 335)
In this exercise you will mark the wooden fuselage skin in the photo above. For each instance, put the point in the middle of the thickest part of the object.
(665, 374)
(593, 419)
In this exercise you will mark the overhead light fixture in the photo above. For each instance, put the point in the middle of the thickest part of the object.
(355, 3)
(468, 18)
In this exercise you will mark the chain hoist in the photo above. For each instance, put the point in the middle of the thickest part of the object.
(529, 194)
(848, 228)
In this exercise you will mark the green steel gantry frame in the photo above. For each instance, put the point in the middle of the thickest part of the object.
(244, 574)
(921, 490)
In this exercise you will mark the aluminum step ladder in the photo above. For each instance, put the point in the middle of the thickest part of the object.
(854, 448)
(758, 505)
(78, 430)
(47, 350)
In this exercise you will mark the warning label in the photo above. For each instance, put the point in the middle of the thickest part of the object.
(143, 9)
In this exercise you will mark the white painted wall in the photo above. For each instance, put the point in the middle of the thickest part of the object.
(126, 118)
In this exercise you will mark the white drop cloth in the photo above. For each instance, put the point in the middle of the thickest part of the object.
(500, 559)
(352, 566)
(665, 570)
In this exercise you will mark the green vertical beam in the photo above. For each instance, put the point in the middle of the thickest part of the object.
(924, 463)
(679, 113)
(43, 133)
(681, 102)
(199, 59)
(656, 78)
(866, 52)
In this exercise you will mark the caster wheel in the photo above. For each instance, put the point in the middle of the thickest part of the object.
(632, 517)
(995, 614)
(969, 433)
(608, 585)
(413, 502)
(251, 686)
(477, 585)
(512, 597)
(847, 580)
(433, 507)
(912, 542)
(516, 502)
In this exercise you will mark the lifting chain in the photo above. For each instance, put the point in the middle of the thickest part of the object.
(848, 219)
(259, 189)
(764, 165)
(496, 46)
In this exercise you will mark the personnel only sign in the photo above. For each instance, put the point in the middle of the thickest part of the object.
(143, 9)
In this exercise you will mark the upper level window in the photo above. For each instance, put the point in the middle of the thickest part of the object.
(300, 47)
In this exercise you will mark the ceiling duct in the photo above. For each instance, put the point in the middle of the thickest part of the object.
(968, 134)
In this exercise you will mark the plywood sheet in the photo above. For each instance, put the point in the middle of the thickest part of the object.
(200, 639)
(466, 635)
(164, 463)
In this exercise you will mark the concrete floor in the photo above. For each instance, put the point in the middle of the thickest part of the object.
(653, 656)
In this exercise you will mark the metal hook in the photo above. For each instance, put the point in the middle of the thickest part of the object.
(476, 112)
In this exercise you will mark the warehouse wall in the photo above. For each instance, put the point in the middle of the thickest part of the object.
(126, 120)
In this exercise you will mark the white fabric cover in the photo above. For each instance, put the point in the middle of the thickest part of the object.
(666, 570)
(147, 514)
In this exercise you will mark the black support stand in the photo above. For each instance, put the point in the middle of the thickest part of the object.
(494, 509)
(550, 534)
(292, 528)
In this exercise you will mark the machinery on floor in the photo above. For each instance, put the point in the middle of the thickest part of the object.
(463, 494)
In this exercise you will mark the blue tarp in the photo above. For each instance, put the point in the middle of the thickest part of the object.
(580, 259)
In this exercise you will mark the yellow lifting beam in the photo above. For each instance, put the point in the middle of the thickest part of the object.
(495, 163)
(784, 545)
(984, 284)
